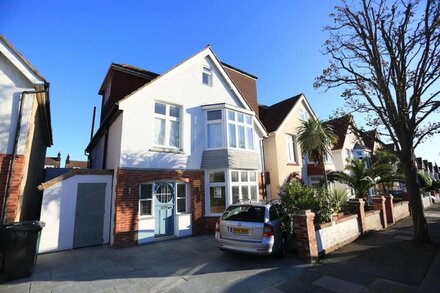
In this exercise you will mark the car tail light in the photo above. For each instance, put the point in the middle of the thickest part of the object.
(217, 226)
(268, 230)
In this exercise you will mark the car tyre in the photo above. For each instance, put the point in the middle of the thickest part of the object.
(281, 253)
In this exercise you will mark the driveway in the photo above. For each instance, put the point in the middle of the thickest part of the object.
(384, 261)
(191, 264)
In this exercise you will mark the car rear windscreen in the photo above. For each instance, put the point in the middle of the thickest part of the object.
(244, 213)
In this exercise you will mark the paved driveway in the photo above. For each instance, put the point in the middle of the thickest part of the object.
(191, 264)
(385, 261)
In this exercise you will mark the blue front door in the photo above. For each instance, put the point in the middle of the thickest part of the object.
(164, 209)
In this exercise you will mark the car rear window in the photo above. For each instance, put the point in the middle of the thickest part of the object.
(244, 213)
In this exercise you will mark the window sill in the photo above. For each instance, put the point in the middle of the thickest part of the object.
(292, 164)
(146, 217)
(166, 150)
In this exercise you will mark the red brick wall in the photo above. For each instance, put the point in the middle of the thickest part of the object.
(127, 197)
(14, 195)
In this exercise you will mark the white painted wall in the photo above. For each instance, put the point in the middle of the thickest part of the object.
(114, 144)
(329, 237)
(12, 83)
(58, 212)
(181, 86)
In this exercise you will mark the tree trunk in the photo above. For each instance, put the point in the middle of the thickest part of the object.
(325, 175)
(415, 201)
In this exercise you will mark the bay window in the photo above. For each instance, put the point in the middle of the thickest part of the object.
(166, 125)
(215, 133)
(244, 185)
(236, 127)
(240, 130)
(217, 191)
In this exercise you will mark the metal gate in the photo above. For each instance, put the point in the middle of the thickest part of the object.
(89, 216)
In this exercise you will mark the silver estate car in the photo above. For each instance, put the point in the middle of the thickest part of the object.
(253, 228)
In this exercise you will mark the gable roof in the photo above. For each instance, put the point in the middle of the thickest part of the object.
(273, 116)
(233, 87)
(340, 128)
(39, 82)
(369, 138)
(20, 62)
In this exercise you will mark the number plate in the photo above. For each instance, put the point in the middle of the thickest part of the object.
(243, 231)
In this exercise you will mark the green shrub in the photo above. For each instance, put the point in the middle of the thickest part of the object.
(324, 204)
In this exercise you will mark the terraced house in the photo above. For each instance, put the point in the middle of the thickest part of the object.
(183, 146)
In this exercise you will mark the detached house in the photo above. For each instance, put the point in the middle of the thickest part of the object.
(283, 158)
(183, 146)
(25, 133)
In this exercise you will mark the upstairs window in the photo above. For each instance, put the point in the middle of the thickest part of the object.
(166, 125)
(291, 149)
(303, 115)
(207, 76)
(215, 129)
(240, 131)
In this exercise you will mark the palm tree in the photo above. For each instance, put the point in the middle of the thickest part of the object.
(361, 178)
(316, 140)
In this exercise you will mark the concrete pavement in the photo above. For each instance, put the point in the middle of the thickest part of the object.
(385, 261)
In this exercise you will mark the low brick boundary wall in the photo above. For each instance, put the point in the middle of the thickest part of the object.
(334, 235)
(314, 241)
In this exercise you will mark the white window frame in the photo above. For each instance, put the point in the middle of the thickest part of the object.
(208, 185)
(151, 200)
(217, 121)
(168, 119)
(315, 180)
(241, 184)
(207, 71)
(186, 198)
(291, 149)
(303, 115)
(153, 197)
(236, 124)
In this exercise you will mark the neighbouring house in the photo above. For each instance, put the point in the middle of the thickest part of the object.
(283, 158)
(183, 146)
(53, 168)
(436, 172)
(370, 139)
(349, 146)
(53, 162)
(71, 164)
(25, 133)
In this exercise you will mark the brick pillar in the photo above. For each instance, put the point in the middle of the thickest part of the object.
(305, 235)
(389, 206)
(379, 204)
(357, 206)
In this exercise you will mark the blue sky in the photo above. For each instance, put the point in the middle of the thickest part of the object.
(72, 44)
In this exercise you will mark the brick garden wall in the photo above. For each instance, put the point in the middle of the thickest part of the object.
(127, 201)
(14, 195)
(312, 240)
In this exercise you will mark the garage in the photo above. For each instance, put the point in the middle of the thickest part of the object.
(76, 208)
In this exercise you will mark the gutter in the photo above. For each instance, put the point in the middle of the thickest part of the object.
(15, 147)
